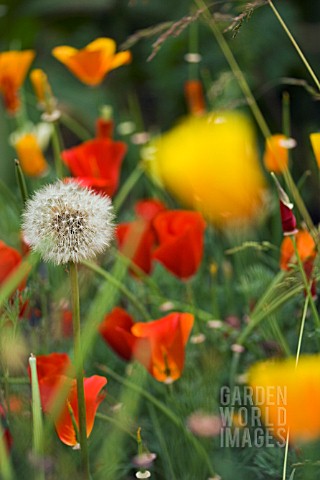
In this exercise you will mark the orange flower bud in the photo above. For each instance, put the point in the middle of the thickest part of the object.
(276, 154)
(194, 96)
(30, 155)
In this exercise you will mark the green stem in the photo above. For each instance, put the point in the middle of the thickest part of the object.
(21, 182)
(296, 46)
(120, 286)
(166, 411)
(285, 459)
(75, 127)
(37, 418)
(79, 369)
(114, 422)
(303, 320)
(127, 187)
(56, 145)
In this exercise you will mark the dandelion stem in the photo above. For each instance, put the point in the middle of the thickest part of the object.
(79, 369)
(294, 43)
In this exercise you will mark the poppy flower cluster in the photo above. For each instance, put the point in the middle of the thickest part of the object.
(52, 373)
(172, 237)
(159, 345)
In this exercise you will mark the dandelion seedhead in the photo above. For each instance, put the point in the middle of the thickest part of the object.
(67, 223)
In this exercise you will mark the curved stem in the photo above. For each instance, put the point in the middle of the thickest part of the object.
(79, 370)
(110, 278)
(127, 187)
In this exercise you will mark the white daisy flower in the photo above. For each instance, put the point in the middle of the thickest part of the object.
(65, 222)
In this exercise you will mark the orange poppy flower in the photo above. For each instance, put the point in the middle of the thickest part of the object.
(13, 69)
(92, 63)
(161, 345)
(116, 331)
(276, 155)
(305, 246)
(289, 396)
(315, 142)
(180, 236)
(96, 163)
(137, 239)
(30, 155)
(49, 389)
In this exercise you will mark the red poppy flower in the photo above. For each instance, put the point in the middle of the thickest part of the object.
(49, 389)
(180, 236)
(116, 331)
(52, 365)
(136, 239)
(10, 259)
(161, 345)
(96, 163)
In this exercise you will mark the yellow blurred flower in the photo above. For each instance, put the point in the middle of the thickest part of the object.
(30, 155)
(315, 142)
(289, 396)
(13, 69)
(210, 163)
(92, 63)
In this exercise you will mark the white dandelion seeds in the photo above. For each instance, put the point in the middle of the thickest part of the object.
(65, 222)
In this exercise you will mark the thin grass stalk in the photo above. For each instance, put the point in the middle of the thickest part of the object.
(120, 286)
(126, 188)
(295, 44)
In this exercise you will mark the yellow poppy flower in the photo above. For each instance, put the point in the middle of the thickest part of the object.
(211, 163)
(289, 396)
(92, 63)
(13, 69)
